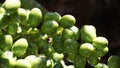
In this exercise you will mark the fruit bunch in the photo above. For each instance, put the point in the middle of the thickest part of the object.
(31, 37)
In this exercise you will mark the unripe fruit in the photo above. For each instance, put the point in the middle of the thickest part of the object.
(79, 61)
(88, 33)
(100, 42)
(100, 52)
(86, 49)
(35, 17)
(22, 15)
(33, 60)
(8, 58)
(71, 46)
(19, 48)
(11, 5)
(6, 42)
(113, 61)
(68, 34)
(22, 63)
(75, 29)
(93, 60)
(52, 16)
(67, 21)
(49, 27)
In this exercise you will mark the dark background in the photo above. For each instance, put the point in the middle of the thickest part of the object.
(103, 14)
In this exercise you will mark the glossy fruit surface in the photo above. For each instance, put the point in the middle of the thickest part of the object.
(113, 61)
(88, 33)
(52, 16)
(6, 42)
(22, 63)
(67, 21)
(11, 5)
(33, 60)
(35, 17)
(19, 48)
(86, 49)
(49, 27)
(100, 42)
(71, 46)
(101, 52)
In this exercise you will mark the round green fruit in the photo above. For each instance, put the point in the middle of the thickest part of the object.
(47, 49)
(71, 46)
(100, 52)
(22, 63)
(10, 59)
(35, 17)
(11, 5)
(88, 33)
(68, 34)
(33, 60)
(6, 42)
(75, 29)
(52, 16)
(67, 21)
(113, 61)
(93, 60)
(49, 27)
(58, 44)
(22, 15)
(100, 42)
(19, 48)
(86, 49)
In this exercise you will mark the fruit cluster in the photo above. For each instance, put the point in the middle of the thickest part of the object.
(31, 38)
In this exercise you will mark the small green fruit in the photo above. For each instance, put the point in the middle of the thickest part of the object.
(6, 42)
(86, 49)
(19, 48)
(49, 27)
(88, 33)
(11, 5)
(35, 17)
(100, 42)
(22, 63)
(67, 21)
(52, 16)
(33, 60)
(113, 61)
